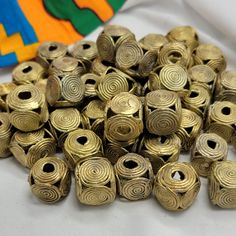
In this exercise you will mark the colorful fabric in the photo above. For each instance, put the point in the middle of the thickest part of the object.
(24, 24)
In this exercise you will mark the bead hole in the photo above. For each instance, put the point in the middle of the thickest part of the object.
(211, 144)
(0, 123)
(86, 46)
(115, 38)
(24, 95)
(52, 48)
(90, 81)
(48, 168)
(226, 110)
(178, 175)
(27, 69)
(193, 94)
(163, 139)
(106, 63)
(174, 57)
(124, 130)
(130, 164)
(82, 140)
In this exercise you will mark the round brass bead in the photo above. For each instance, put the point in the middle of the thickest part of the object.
(95, 181)
(211, 55)
(190, 127)
(5, 135)
(27, 108)
(134, 177)
(81, 144)
(222, 184)
(123, 121)
(29, 147)
(99, 66)
(62, 121)
(176, 186)
(160, 150)
(208, 148)
(163, 112)
(91, 81)
(221, 119)
(5, 89)
(50, 179)
(49, 51)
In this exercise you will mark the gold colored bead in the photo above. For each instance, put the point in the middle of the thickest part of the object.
(114, 82)
(5, 89)
(198, 100)
(29, 147)
(27, 108)
(221, 119)
(95, 181)
(134, 177)
(190, 128)
(209, 147)
(49, 51)
(211, 55)
(5, 135)
(160, 150)
(123, 121)
(64, 91)
(204, 75)
(176, 186)
(42, 85)
(184, 34)
(99, 66)
(80, 144)
(162, 112)
(91, 81)
(50, 179)
(222, 184)
(62, 121)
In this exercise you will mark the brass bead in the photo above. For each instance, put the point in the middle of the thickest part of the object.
(176, 186)
(62, 121)
(222, 184)
(110, 39)
(5, 89)
(80, 144)
(208, 148)
(221, 119)
(198, 100)
(91, 81)
(211, 55)
(50, 179)
(99, 66)
(29, 147)
(190, 128)
(134, 177)
(204, 75)
(95, 181)
(42, 85)
(163, 112)
(27, 108)
(5, 135)
(160, 150)
(49, 51)
(123, 121)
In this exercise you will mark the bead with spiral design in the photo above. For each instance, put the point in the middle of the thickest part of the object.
(27, 108)
(91, 81)
(5, 134)
(190, 127)
(163, 112)
(81, 144)
(160, 149)
(222, 184)
(176, 186)
(5, 89)
(50, 179)
(221, 119)
(95, 181)
(100, 66)
(208, 148)
(134, 177)
(28, 148)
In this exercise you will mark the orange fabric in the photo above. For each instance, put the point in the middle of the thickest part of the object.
(27, 52)
(45, 26)
(102, 9)
(11, 43)
(2, 32)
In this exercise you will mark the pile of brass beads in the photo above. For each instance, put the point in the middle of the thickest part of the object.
(122, 111)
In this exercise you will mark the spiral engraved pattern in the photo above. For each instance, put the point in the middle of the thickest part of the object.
(95, 109)
(228, 79)
(226, 198)
(73, 88)
(147, 63)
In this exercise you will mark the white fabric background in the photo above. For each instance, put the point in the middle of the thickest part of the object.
(23, 214)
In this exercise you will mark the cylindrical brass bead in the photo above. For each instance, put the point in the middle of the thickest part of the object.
(190, 128)
(29, 147)
(160, 150)
(95, 181)
(163, 112)
(5, 135)
(221, 119)
(134, 177)
(50, 179)
(80, 144)
(27, 108)
(222, 184)
(208, 148)
(5, 89)
(91, 81)
(176, 186)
